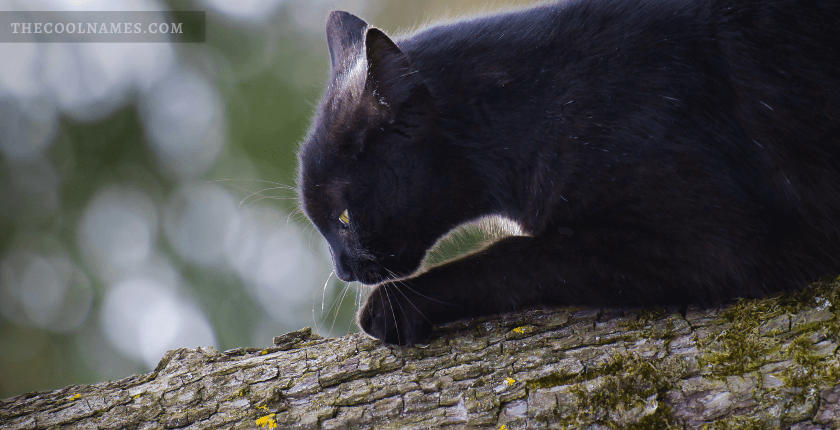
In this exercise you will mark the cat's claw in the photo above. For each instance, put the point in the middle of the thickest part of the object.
(392, 318)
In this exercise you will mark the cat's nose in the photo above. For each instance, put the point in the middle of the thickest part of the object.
(343, 273)
(342, 266)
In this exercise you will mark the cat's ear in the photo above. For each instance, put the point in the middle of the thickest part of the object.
(346, 39)
(389, 72)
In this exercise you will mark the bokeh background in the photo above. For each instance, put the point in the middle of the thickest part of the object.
(146, 189)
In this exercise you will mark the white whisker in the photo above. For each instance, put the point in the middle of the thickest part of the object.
(412, 304)
(393, 314)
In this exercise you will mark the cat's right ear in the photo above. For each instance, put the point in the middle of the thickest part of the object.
(390, 74)
(346, 39)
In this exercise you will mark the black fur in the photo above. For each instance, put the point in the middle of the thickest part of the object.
(693, 146)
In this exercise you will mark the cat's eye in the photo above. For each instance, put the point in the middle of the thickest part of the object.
(344, 218)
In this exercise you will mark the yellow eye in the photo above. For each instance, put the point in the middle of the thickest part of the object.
(344, 218)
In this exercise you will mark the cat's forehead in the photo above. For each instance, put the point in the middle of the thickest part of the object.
(322, 180)
(318, 159)
(323, 158)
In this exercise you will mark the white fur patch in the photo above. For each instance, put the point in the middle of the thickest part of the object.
(351, 82)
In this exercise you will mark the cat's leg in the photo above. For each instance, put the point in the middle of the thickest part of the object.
(598, 267)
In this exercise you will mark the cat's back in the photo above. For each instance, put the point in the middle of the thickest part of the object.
(787, 35)
(774, 65)
(782, 62)
(512, 34)
(787, 52)
(746, 87)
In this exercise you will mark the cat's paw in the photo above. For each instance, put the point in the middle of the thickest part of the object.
(392, 317)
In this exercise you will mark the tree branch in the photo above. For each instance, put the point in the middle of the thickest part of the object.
(758, 364)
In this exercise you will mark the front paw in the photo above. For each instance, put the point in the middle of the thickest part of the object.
(392, 316)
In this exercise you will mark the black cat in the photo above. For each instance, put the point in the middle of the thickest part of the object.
(693, 147)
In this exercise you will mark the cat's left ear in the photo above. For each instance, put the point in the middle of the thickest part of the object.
(389, 71)
(345, 38)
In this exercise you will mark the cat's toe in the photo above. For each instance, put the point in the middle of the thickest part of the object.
(391, 319)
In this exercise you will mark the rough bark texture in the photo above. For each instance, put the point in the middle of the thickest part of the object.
(767, 363)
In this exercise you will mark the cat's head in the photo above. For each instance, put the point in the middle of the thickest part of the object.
(371, 167)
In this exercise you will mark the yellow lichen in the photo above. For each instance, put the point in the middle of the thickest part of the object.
(510, 381)
(519, 330)
(76, 397)
(267, 420)
(240, 393)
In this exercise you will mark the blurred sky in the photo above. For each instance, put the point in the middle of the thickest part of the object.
(146, 197)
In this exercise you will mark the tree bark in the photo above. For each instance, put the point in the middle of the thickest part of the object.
(769, 363)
